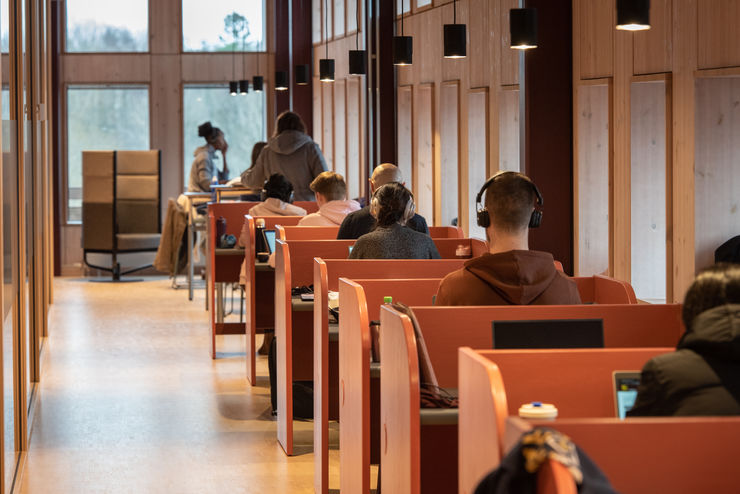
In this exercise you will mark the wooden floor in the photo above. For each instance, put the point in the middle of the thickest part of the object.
(130, 401)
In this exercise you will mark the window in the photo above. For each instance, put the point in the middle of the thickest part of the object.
(100, 118)
(241, 118)
(224, 25)
(4, 27)
(107, 26)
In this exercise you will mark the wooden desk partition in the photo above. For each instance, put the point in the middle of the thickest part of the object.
(599, 289)
(648, 455)
(259, 289)
(446, 232)
(306, 232)
(493, 384)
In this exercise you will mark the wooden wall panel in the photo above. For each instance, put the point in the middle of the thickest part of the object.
(355, 156)
(405, 115)
(717, 38)
(479, 45)
(717, 189)
(340, 128)
(648, 177)
(108, 68)
(449, 130)
(478, 157)
(327, 117)
(424, 170)
(592, 180)
(653, 49)
(509, 57)
(596, 27)
(509, 145)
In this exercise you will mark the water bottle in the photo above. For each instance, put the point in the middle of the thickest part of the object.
(262, 250)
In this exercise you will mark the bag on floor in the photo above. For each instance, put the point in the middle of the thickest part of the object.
(302, 390)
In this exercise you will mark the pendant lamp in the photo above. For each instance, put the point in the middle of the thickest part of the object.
(257, 82)
(326, 65)
(301, 75)
(523, 25)
(243, 87)
(233, 88)
(633, 15)
(403, 46)
(357, 57)
(455, 36)
(281, 80)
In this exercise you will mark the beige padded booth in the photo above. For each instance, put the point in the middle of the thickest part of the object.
(120, 205)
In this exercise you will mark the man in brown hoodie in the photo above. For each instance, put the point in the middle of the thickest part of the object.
(510, 273)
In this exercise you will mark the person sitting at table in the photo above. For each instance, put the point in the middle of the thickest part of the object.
(203, 167)
(277, 196)
(290, 152)
(392, 206)
(331, 197)
(509, 273)
(361, 222)
(702, 377)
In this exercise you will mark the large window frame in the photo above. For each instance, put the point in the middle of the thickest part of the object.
(64, 33)
(263, 42)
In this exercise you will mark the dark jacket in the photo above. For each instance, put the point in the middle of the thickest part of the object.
(517, 277)
(394, 242)
(357, 224)
(702, 377)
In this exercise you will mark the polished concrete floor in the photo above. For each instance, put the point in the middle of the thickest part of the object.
(131, 401)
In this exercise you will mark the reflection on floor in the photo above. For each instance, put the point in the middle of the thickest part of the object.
(131, 401)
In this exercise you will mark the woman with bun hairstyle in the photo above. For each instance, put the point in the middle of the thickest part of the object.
(203, 168)
(392, 205)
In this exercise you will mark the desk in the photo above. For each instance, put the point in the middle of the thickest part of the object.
(220, 192)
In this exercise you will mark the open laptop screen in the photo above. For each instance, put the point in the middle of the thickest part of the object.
(548, 333)
(625, 391)
(270, 236)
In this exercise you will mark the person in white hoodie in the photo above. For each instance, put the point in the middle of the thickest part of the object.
(291, 153)
(277, 195)
(331, 197)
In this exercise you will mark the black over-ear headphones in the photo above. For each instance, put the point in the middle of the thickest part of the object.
(484, 219)
(263, 193)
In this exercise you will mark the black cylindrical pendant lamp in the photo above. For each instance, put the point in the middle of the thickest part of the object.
(302, 75)
(456, 40)
(326, 70)
(523, 25)
(281, 80)
(403, 50)
(243, 87)
(233, 88)
(257, 82)
(357, 62)
(633, 15)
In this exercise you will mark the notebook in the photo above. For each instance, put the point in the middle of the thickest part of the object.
(548, 333)
(270, 236)
(625, 385)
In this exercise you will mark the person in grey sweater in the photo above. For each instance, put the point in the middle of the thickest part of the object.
(291, 153)
(392, 206)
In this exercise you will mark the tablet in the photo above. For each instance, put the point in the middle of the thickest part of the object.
(625, 385)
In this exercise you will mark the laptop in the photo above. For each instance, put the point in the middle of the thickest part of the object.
(270, 236)
(625, 385)
(548, 333)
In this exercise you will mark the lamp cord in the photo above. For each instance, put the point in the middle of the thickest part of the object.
(326, 28)
(454, 11)
(357, 27)
(402, 9)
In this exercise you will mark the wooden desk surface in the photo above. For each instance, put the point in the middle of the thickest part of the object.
(236, 251)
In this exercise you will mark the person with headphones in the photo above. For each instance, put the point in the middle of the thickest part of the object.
(509, 273)
(392, 206)
(276, 197)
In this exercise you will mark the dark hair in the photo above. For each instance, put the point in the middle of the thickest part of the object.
(289, 120)
(715, 286)
(278, 186)
(256, 150)
(208, 132)
(330, 185)
(510, 200)
(392, 203)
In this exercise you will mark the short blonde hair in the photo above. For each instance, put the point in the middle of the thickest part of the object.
(330, 185)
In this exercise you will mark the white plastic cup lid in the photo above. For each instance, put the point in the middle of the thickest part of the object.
(538, 410)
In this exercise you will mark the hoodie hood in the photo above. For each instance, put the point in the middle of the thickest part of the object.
(289, 141)
(335, 211)
(715, 333)
(518, 276)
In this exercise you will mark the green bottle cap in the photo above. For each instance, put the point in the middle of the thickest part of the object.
(387, 300)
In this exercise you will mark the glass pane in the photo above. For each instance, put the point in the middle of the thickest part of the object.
(648, 175)
(100, 118)
(509, 148)
(450, 154)
(593, 180)
(4, 29)
(107, 26)
(423, 3)
(241, 118)
(477, 156)
(225, 25)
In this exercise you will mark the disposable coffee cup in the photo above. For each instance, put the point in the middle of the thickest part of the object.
(538, 411)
